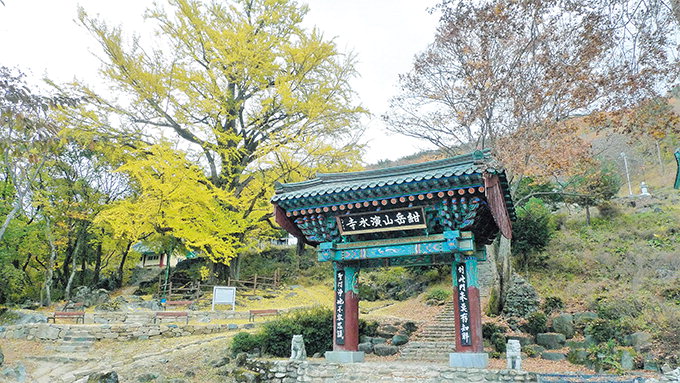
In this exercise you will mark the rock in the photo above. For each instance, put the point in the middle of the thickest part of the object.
(550, 341)
(522, 299)
(378, 340)
(254, 298)
(248, 325)
(387, 331)
(673, 376)
(564, 324)
(627, 362)
(317, 355)
(90, 297)
(650, 363)
(385, 349)
(2, 357)
(366, 347)
(16, 374)
(640, 341)
(398, 340)
(364, 339)
(47, 332)
(553, 356)
(577, 356)
(581, 319)
(103, 377)
(232, 326)
(25, 318)
(291, 294)
(241, 359)
(244, 376)
(523, 340)
(665, 369)
(204, 320)
(147, 377)
(30, 305)
(533, 350)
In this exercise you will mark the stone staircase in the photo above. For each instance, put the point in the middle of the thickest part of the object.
(75, 341)
(435, 340)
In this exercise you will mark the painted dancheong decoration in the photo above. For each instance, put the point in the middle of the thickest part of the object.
(438, 212)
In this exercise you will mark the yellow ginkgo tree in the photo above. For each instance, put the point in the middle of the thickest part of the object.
(175, 198)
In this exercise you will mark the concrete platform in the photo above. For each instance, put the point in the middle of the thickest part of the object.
(344, 356)
(469, 359)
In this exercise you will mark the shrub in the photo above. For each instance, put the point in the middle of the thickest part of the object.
(608, 210)
(604, 357)
(409, 327)
(615, 308)
(537, 322)
(437, 296)
(368, 328)
(245, 342)
(490, 328)
(604, 330)
(498, 341)
(552, 304)
(391, 283)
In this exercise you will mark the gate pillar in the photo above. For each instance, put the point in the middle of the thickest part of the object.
(346, 315)
(467, 307)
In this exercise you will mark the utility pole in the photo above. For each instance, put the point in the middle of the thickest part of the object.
(625, 164)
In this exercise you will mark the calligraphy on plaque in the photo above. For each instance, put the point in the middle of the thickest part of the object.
(377, 221)
(340, 307)
(463, 306)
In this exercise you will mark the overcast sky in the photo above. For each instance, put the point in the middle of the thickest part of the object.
(41, 38)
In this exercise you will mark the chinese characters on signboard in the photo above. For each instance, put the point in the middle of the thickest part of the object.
(388, 220)
(340, 307)
(463, 306)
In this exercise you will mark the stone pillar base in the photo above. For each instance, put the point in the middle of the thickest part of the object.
(469, 359)
(344, 356)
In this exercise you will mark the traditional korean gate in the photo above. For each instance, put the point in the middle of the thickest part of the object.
(439, 212)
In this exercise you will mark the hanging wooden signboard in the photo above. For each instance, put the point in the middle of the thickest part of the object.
(386, 220)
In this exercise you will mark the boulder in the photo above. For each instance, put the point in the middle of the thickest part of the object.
(366, 347)
(627, 362)
(564, 324)
(398, 340)
(47, 332)
(103, 377)
(553, 356)
(640, 341)
(220, 362)
(385, 349)
(387, 331)
(551, 341)
(232, 326)
(378, 340)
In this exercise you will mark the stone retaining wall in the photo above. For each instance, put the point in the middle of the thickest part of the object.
(147, 317)
(323, 372)
(44, 331)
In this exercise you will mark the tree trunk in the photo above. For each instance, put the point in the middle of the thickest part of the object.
(299, 251)
(10, 216)
(50, 264)
(121, 265)
(587, 215)
(74, 256)
(97, 265)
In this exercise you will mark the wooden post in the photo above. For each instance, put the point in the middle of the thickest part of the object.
(255, 283)
(346, 313)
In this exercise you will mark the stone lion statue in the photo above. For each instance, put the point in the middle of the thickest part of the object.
(297, 348)
(514, 354)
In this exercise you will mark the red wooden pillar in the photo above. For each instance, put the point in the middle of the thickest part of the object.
(346, 313)
(467, 306)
